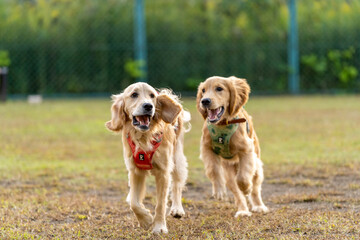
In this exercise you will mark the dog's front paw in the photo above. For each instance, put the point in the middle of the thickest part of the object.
(242, 214)
(177, 212)
(219, 192)
(160, 228)
(260, 209)
(146, 221)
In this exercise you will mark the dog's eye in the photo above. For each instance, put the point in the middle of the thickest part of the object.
(219, 89)
(203, 90)
(152, 95)
(134, 95)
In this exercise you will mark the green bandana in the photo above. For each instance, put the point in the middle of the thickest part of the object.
(220, 136)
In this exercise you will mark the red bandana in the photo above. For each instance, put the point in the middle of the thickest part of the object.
(143, 159)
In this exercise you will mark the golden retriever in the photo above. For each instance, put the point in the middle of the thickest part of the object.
(152, 123)
(229, 146)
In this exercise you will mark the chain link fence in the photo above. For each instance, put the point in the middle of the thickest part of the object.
(87, 46)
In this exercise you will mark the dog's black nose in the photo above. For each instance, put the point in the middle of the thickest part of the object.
(148, 106)
(205, 102)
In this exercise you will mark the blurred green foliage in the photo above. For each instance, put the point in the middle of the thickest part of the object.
(66, 46)
(333, 71)
(84, 45)
(4, 59)
(341, 65)
(134, 68)
(193, 83)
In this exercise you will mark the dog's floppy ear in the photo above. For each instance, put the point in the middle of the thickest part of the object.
(118, 115)
(198, 99)
(239, 93)
(167, 108)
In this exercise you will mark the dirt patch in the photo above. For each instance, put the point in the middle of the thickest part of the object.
(301, 207)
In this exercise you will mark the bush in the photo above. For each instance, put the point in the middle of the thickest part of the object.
(4, 59)
(333, 71)
(83, 46)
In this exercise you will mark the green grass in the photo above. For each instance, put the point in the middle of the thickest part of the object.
(69, 136)
(62, 173)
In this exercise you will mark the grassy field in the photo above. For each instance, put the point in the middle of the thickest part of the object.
(62, 175)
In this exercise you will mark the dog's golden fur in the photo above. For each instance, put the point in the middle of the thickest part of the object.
(169, 162)
(243, 174)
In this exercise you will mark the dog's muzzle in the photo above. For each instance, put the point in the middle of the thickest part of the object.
(142, 118)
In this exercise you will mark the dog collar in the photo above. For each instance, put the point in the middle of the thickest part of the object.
(221, 134)
(141, 158)
(235, 120)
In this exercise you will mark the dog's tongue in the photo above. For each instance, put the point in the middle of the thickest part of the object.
(144, 120)
(213, 113)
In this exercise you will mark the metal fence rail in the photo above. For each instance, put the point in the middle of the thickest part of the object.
(88, 46)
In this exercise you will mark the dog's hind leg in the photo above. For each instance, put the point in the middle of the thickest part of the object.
(179, 176)
(137, 194)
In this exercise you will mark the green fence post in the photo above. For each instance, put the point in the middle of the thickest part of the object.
(3, 83)
(140, 39)
(293, 49)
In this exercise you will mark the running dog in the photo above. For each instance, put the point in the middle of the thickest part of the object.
(152, 126)
(229, 146)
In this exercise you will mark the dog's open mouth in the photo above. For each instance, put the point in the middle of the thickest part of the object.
(143, 121)
(214, 115)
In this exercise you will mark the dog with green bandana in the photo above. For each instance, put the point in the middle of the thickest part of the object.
(229, 145)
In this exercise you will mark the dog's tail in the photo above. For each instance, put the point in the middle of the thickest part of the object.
(186, 120)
